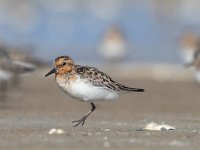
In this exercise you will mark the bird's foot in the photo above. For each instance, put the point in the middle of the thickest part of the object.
(81, 121)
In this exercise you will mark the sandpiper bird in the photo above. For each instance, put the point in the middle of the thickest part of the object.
(189, 45)
(196, 64)
(191, 52)
(114, 45)
(11, 69)
(86, 83)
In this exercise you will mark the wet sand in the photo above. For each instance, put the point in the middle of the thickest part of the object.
(27, 116)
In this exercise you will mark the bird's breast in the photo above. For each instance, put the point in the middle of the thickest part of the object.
(83, 90)
(63, 83)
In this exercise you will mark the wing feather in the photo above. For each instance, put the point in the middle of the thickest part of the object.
(100, 79)
(96, 77)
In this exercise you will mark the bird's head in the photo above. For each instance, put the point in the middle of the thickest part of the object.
(62, 65)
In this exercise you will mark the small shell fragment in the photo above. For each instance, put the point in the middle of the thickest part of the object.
(56, 131)
(157, 127)
(52, 131)
(107, 130)
(98, 133)
(60, 131)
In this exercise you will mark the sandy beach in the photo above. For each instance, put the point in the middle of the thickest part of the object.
(38, 105)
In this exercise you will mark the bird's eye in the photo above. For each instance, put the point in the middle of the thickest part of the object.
(64, 63)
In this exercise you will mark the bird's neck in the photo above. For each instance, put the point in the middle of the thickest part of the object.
(70, 75)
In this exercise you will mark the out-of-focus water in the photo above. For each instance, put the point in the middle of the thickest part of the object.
(76, 28)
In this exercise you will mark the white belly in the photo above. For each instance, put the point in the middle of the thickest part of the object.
(188, 55)
(86, 92)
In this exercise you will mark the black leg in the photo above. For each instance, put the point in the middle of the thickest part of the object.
(82, 120)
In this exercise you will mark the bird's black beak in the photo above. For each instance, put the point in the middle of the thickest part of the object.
(51, 72)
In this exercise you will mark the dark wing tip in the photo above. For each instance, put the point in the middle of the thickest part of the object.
(125, 88)
(140, 90)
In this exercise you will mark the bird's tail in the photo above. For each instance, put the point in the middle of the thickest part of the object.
(129, 89)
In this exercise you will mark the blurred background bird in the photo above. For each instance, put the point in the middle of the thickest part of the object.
(113, 46)
(190, 43)
(13, 64)
(190, 50)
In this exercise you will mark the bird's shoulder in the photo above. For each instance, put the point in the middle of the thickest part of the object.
(96, 77)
